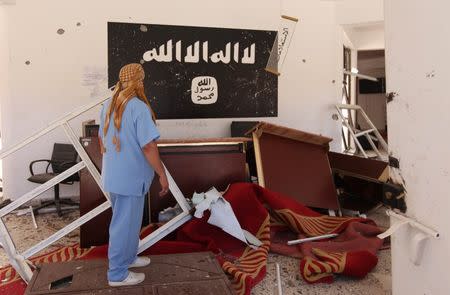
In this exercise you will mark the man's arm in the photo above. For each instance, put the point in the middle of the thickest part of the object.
(151, 153)
(100, 143)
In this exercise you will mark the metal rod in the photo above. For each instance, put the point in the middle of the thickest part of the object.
(352, 133)
(40, 189)
(414, 223)
(361, 76)
(51, 127)
(85, 157)
(280, 290)
(322, 237)
(16, 260)
(176, 192)
(64, 231)
(32, 217)
(377, 133)
(163, 231)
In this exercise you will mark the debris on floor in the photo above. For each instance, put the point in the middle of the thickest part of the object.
(246, 222)
(364, 184)
(377, 282)
(222, 216)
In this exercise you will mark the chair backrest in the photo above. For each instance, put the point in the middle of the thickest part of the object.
(63, 154)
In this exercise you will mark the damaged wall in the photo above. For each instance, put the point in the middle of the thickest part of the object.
(58, 63)
(418, 69)
(73, 42)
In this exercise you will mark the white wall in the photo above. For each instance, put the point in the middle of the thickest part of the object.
(366, 36)
(359, 11)
(4, 64)
(308, 89)
(57, 78)
(418, 69)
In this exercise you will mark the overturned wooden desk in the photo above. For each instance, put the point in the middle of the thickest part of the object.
(191, 273)
(195, 164)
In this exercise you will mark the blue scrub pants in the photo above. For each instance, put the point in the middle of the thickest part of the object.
(124, 234)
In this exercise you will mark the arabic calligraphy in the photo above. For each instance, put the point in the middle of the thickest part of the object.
(193, 54)
(282, 41)
(204, 90)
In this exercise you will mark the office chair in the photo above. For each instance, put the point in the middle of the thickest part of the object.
(64, 156)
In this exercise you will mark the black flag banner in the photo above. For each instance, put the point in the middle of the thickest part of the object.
(198, 72)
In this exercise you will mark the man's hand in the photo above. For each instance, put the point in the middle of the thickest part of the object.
(164, 185)
(151, 153)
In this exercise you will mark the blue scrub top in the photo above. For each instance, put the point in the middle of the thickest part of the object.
(128, 172)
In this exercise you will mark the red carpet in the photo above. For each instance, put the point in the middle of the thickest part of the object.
(272, 218)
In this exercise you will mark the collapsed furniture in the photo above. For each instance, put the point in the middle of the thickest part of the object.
(195, 164)
(268, 216)
(294, 163)
(364, 183)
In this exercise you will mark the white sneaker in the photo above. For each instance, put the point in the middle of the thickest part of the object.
(140, 262)
(133, 278)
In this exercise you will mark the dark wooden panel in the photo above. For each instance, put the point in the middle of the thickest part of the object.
(286, 132)
(299, 170)
(94, 232)
(366, 167)
(198, 169)
(167, 274)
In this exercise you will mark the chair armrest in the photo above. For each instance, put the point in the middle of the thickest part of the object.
(67, 164)
(37, 161)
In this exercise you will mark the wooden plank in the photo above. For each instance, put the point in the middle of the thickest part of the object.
(374, 169)
(203, 141)
(297, 169)
(258, 160)
(167, 274)
(292, 134)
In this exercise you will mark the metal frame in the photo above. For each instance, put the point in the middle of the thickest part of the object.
(19, 260)
(357, 133)
(418, 233)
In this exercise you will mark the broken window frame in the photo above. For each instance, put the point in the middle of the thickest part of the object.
(20, 260)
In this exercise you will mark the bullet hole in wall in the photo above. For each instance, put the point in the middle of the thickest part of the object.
(335, 117)
(60, 31)
(143, 28)
(28, 62)
(78, 24)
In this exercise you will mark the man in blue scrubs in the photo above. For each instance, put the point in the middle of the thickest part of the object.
(130, 159)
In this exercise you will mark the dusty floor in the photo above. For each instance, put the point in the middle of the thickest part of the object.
(378, 282)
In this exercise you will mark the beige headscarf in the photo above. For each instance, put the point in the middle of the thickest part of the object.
(131, 84)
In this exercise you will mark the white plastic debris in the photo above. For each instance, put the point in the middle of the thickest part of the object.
(222, 215)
